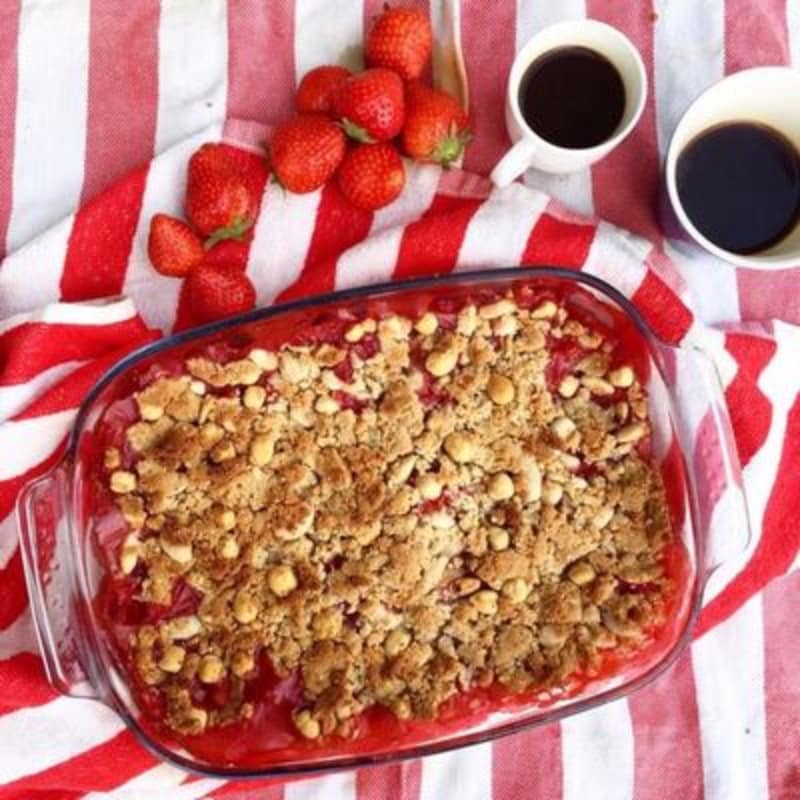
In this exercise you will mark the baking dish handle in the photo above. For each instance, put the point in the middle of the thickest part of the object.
(719, 496)
(43, 522)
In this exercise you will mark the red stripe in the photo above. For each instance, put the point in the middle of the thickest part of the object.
(378, 783)
(668, 761)
(99, 769)
(662, 308)
(555, 242)
(769, 295)
(13, 597)
(251, 790)
(24, 683)
(9, 30)
(260, 59)
(31, 348)
(123, 90)
(750, 409)
(626, 182)
(528, 765)
(396, 781)
(339, 225)
(431, 244)
(780, 534)
(755, 33)
(782, 688)
(69, 392)
(489, 52)
(26, 794)
(101, 239)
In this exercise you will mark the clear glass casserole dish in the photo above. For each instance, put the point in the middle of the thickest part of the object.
(61, 523)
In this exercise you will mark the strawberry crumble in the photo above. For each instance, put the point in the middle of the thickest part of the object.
(386, 514)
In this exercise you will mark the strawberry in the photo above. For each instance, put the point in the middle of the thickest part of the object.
(305, 151)
(371, 175)
(401, 40)
(219, 290)
(316, 90)
(370, 105)
(218, 201)
(436, 126)
(173, 247)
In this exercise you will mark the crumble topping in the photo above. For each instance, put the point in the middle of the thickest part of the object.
(405, 514)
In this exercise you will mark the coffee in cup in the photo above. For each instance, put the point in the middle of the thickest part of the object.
(733, 168)
(575, 91)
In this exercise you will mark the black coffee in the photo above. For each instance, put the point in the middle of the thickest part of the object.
(740, 185)
(573, 97)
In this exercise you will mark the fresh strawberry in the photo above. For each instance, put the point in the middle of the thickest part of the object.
(173, 247)
(218, 201)
(231, 251)
(305, 151)
(370, 105)
(316, 90)
(436, 126)
(219, 290)
(401, 40)
(371, 175)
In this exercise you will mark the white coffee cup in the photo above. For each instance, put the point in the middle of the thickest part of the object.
(766, 95)
(530, 149)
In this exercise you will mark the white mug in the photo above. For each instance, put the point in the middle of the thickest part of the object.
(530, 149)
(766, 95)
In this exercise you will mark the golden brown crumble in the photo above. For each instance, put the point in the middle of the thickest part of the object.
(390, 548)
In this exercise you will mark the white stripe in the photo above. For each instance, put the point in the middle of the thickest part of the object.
(191, 89)
(618, 257)
(31, 277)
(574, 190)
(688, 55)
(374, 259)
(15, 398)
(87, 312)
(459, 775)
(281, 240)
(35, 739)
(27, 442)
(327, 33)
(498, 231)
(712, 282)
(158, 779)
(597, 754)
(728, 664)
(339, 786)
(780, 382)
(19, 637)
(793, 27)
(8, 539)
(154, 295)
(417, 195)
(191, 791)
(50, 136)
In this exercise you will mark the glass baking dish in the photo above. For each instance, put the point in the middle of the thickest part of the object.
(57, 522)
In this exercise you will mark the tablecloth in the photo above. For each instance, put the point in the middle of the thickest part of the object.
(90, 90)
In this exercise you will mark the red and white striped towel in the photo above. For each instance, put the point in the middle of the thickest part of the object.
(128, 80)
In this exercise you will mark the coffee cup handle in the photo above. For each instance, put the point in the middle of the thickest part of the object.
(513, 163)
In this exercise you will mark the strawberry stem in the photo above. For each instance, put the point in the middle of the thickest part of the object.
(356, 132)
(450, 148)
(236, 230)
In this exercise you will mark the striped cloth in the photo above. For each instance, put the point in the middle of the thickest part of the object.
(90, 90)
